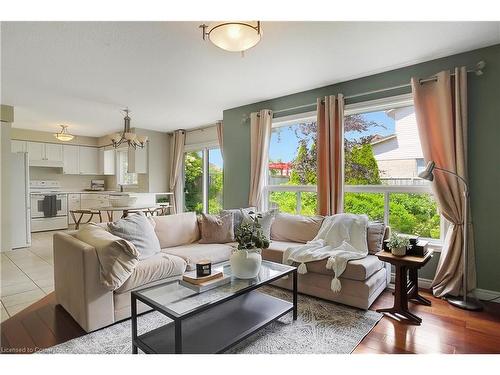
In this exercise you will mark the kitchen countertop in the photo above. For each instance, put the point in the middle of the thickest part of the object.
(114, 192)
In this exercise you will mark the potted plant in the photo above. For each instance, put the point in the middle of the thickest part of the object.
(246, 258)
(398, 243)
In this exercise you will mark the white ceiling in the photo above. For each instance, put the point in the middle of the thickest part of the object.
(83, 73)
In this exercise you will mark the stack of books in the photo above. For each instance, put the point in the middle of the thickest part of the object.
(204, 283)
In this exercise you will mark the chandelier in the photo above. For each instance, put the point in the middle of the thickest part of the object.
(132, 139)
(63, 135)
(233, 36)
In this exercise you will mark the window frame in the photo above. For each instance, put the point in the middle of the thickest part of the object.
(119, 180)
(381, 104)
(205, 149)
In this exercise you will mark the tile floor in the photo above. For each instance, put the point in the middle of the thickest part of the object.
(27, 275)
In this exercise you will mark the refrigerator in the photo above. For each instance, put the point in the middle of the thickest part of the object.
(20, 201)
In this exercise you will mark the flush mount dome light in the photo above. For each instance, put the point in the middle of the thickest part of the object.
(233, 36)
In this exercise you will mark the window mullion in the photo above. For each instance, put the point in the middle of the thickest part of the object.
(386, 208)
(205, 174)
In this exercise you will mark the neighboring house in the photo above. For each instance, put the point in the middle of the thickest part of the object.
(399, 156)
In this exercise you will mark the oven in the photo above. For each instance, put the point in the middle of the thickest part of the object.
(49, 205)
(49, 211)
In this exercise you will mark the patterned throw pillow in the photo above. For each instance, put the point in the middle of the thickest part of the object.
(237, 215)
(375, 236)
(266, 221)
(216, 228)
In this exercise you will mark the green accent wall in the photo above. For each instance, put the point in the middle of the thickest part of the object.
(484, 143)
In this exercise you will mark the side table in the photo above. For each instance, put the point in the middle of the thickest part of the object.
(406, 284)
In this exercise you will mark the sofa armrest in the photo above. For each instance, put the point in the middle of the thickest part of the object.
(77, 283)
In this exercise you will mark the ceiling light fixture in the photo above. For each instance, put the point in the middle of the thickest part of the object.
(63, 135)
(132, 139)
(233, 36)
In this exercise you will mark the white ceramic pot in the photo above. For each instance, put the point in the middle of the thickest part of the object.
(245, 264)
(399, 251)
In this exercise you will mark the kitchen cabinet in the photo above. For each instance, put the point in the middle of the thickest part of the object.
(18, 146)
(89, 160)
(53, 152)
(71, 157)
(106, 161)
(138, 160)
(36, 151)
(45, 154)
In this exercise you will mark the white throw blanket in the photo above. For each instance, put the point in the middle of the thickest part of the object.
(341, 238)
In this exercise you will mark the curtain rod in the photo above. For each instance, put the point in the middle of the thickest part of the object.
(478, 70)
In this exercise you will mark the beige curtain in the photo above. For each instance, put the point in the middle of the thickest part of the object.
(441, 111)
(176, 156)
(220, 136)
(330, 121)
(260, 135)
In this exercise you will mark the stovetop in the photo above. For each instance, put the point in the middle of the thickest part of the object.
(44, 186)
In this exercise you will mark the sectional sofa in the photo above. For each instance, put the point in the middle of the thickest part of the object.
(79, 291)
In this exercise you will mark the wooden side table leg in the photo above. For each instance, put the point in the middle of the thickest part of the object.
(400, 308)
(413, 295)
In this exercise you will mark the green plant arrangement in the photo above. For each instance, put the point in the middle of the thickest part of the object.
(398, 244)
(397, 240)
(249, 235)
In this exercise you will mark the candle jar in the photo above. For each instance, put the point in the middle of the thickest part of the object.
(203, 268)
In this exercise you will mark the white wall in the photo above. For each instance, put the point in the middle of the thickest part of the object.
(201, 136)
(6, 119)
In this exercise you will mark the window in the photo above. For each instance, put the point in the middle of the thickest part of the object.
(203, 180)
(124, 178)
(292, 166)
(382, 156)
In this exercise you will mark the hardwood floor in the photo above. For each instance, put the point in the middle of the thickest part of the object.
(445, 329)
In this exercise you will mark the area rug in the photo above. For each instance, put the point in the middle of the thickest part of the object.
(322, 327)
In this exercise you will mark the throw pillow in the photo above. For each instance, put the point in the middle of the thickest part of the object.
(295, 228)
(216, 229)
(237, 215)
(137, 229)
(266, 221)
(375, 236)
(117, 257)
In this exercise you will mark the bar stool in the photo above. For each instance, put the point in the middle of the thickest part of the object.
(84, 212)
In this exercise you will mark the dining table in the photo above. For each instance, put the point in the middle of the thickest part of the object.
(126, 210)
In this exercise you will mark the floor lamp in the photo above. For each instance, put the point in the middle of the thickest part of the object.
(467, 303)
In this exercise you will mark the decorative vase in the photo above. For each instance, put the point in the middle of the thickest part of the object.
(245, 264)
(399, 251)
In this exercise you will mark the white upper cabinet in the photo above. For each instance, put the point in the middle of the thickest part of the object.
(138, 160)
(18, 146)
(36, 151)
(89, 160)
(71, 155)
(53, 152)
(45, 154)
(106, 161)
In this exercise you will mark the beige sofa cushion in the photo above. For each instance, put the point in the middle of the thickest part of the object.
(159, 266)
(360, 269)
(295, 228)
(117, 257)
(195, 252)
(178, 229)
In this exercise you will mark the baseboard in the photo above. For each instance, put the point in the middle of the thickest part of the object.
(482, 294)
(487, 295)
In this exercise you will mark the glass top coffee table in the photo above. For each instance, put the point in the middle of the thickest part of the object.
(214, 320)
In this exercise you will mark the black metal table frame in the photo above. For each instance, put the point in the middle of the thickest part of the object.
(179, 318)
